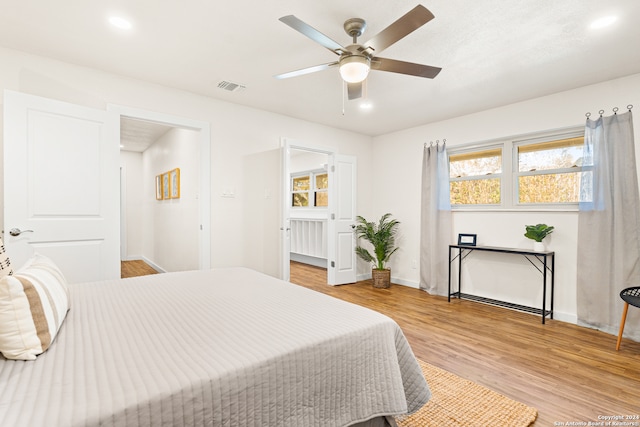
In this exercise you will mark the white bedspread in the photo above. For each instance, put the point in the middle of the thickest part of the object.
(225, 347)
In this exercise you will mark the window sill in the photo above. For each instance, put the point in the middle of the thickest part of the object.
(521, 210)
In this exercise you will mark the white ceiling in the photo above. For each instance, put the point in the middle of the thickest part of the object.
(492, 52)
(138, 135)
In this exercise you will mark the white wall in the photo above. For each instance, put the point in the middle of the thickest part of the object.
(131, 164)
(397, 158)
(239, 137)
(302, 161)
(171, 227)
(244, 157)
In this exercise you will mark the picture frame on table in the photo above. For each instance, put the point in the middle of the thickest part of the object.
(467, 239)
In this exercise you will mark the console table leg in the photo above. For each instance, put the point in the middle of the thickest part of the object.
(449, 292)
(459, 273)
(544, 289)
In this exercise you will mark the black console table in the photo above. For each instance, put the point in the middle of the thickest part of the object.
(543, 261)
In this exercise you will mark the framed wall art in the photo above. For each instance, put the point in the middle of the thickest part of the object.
(159, 193)
(165, 185)
(174, 179)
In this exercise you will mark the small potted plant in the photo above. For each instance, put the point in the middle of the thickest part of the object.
(382, 236)
(537, 233)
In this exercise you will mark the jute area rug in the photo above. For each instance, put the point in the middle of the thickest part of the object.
(459, 402)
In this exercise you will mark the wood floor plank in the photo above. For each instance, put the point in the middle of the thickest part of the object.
(135, 268)
(567, 372)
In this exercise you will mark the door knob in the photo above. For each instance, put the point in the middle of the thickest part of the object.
(17, 231)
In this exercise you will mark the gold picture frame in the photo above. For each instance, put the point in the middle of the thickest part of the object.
(159, 192)
(174, 183)
(165, 186)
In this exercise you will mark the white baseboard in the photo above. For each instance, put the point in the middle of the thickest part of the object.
(403, 282)
(361, 277)
(394, 280)
(311, 260)
(153, 265)
(565, 317)
(146, 260)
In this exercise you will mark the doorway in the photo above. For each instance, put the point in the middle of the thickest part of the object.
(309, 203)
(339, 214)
(149, 218)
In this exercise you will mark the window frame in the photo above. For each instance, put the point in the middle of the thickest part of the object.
(517, 174)
(509, 197)
(495, 146)
(311, 192)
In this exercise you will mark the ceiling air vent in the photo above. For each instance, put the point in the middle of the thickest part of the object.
(231, 87)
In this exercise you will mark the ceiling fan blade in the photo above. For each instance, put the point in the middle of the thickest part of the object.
(307, 70)
(411, 21)
(354, 90)
(312, 33)
(402, 67)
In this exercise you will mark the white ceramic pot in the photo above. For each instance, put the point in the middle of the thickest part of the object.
(539, 247)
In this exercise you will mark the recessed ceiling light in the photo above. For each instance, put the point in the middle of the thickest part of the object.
(120, 22)
(605, 21)
(366, 105)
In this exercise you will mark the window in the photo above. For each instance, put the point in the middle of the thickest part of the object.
(300, 191)
(475, 177)
(321, 193)
(550, 171)
(310, 189)
(536, 172)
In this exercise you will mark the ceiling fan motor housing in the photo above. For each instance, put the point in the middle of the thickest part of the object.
(355, 27)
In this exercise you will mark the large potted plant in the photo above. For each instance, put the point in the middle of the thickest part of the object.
(382, 236)
(537, 233)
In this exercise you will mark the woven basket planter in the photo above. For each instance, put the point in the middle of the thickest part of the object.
(381, 278)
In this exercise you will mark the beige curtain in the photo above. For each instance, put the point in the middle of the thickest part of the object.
(435, 220)
(608, 225)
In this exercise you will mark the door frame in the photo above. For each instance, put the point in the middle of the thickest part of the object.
(204, 193)
(288, 144)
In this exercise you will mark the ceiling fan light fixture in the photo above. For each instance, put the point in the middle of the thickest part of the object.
(354, 68)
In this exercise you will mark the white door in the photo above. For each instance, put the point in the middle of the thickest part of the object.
(61, 182)
(285, 223)
(342, 217)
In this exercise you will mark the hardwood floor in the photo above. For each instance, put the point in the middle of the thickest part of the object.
(567, 372)
(135, 268)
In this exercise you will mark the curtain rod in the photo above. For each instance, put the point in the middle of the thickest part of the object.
(437, 142)
(615, 111)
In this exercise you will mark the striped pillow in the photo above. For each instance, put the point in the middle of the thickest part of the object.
(33, 304)
(5, 263)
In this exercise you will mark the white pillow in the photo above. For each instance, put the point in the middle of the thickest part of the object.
(33, 304)
(5, 263)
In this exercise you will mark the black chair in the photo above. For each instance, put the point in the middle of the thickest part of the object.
(629, 296)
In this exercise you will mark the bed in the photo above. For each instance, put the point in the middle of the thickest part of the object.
(223, 347)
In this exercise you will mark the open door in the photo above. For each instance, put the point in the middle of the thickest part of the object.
(342, 218)
(341, 256)
(61, 186)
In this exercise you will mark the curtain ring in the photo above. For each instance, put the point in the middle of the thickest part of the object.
(588, 115)
(601, 112)
(629, 107)
(615, 110)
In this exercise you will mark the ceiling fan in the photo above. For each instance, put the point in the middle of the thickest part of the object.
(357, 59)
